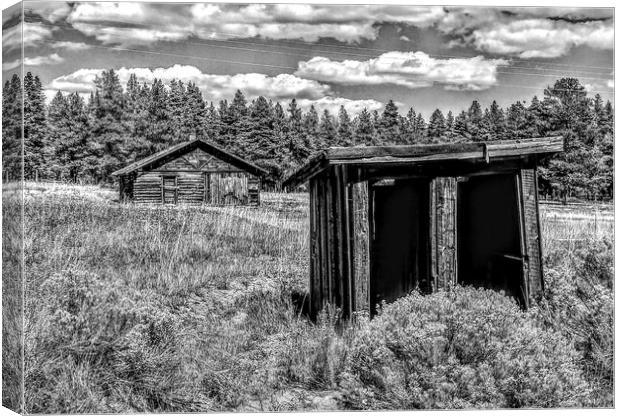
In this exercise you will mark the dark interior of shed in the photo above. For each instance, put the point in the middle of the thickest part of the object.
(400, 259)
(489, 235)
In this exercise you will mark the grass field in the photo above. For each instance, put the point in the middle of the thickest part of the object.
(157, 308)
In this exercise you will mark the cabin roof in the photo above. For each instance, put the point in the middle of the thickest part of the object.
(426, 154)
(180, 149)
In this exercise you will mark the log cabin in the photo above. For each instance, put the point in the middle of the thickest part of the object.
(192, 172)
(386, 220)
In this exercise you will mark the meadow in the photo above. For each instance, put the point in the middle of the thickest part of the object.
(159, 308)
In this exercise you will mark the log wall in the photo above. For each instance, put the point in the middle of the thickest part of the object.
(200, 178)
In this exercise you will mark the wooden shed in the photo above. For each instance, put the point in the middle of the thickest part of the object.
(191, 172)
(385, 220)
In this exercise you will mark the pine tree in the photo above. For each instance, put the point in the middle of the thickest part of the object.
(461, 130)
(516, 121)
(280, 129)
(327, 130)
(450, 125)
(298, 152)
(364, 131)
(259, 140)
(376, 121)
(224, 139)
(35, 146)
(536, 119)
(177, 110)
(211, 126)
(107, 129)
(56, 117)
(12, 129)
(570, 104)
(420, 129)
(475, 122)
(344, 133)
(311, 129)
(160, 131)
(409, 127)
(436, 125)
(68, 123)
(389, 125)
(238, 120)
(496, 122)
(195, 112)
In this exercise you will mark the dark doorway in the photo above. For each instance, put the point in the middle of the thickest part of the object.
(489, 234)
(399, 239)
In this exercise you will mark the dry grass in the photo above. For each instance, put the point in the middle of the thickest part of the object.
(156, 308)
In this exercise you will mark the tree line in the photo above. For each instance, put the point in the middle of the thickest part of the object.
(84, 141)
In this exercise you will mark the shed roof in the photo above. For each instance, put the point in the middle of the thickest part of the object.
(180, 149)
(378, 156)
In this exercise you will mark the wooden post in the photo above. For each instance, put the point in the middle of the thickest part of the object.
(361, 246)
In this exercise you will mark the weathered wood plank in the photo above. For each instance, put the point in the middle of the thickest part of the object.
(444, 231)
(532, 231)
(361, 246)
(406, 155)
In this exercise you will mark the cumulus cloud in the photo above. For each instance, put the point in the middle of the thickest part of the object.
(34, 34)
(522, 32)
(43, 60)
(332, 104)
(139, 23)
(407, 69)
(528, 32)
(282, 87)
(540, 38)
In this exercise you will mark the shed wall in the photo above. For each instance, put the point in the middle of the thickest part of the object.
(529, 194)
(331, 234)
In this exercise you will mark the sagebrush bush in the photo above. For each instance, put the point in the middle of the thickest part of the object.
(126, 347)
(465, 348)
(579, 303)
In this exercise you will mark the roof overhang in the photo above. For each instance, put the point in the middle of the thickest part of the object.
(430, 154)
(180, 149)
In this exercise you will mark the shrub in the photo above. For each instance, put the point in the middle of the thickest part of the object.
(578, 303)
(460, 349)
(91, 338)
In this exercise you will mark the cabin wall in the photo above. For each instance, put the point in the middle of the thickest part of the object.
(200, 178)
(529, 192)
(147, 188)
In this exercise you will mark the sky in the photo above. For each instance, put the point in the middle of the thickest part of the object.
(425, 57)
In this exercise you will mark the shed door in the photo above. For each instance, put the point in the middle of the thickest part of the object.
(169, 189)
(400, 258)
(490, 252)
(226, 188)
